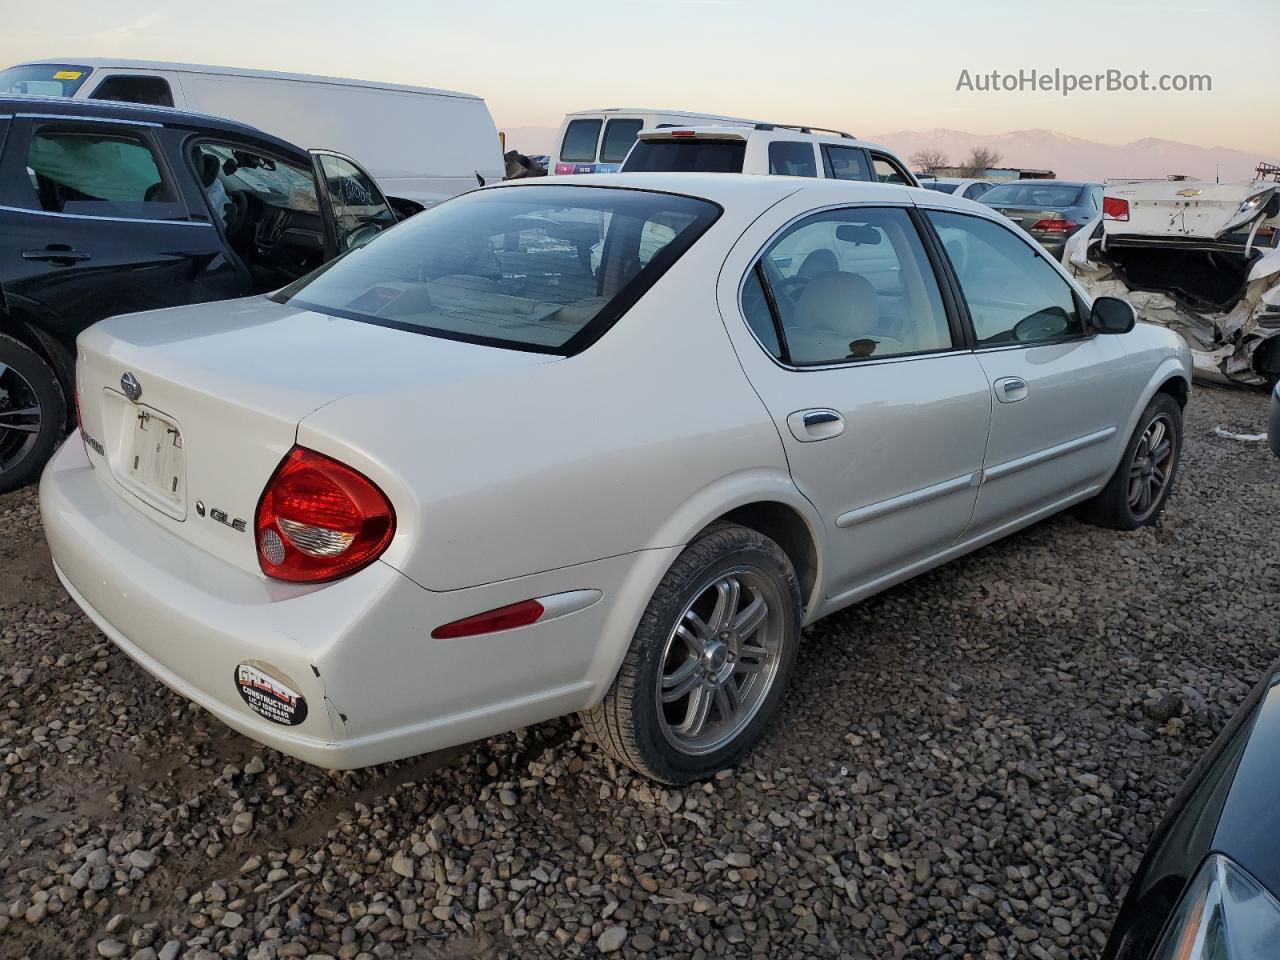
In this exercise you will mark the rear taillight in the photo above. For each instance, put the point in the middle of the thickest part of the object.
(318, 519)
(1115, 208)
(1054, 225)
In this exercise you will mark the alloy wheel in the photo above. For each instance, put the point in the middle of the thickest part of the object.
(20, 417)
(1152, 466)
(720, 660)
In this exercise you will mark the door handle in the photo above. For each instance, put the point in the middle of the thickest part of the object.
(1011, 389)
(59, 253)
(816, 424)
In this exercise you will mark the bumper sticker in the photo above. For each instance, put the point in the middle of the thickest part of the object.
(270, 694)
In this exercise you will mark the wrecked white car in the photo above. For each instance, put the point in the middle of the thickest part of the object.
(1197, 256)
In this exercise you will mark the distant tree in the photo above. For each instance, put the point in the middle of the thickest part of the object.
(928, 161)
(979, 160)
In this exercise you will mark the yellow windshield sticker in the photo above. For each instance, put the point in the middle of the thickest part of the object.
(68, 75)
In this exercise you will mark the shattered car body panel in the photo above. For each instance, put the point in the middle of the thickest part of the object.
(1198, 257)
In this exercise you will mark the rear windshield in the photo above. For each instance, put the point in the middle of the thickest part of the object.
(44, 79)
(686, 156)
(1029, 193)
(619, 135)
(540, 268)
(940, 187)
(580, 140)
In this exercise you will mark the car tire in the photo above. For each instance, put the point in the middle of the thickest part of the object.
(704, 630)
(1131, 498)
(27, 382)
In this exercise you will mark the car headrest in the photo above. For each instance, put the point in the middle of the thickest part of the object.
(839, 302)
(818, 261)
(208, 169)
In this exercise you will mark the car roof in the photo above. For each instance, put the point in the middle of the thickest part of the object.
(106, 63)
(728, 131)
(657, 110)
(1050, 183)
(731, 188)
(137, 113)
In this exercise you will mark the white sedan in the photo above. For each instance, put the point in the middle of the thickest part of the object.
(565, 445)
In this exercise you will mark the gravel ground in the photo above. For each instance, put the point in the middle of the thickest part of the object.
(967, 766)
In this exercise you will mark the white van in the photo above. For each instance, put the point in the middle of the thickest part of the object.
(420, 144)
(597, 141)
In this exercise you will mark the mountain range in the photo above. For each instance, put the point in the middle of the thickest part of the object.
(1068, 157)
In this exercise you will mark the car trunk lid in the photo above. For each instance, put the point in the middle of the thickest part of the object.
(1190, 209)
(188, 412)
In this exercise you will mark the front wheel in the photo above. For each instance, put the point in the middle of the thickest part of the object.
(708, 665)
(1139, 489)
(32, 413)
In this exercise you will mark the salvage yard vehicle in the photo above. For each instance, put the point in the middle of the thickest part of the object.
(961, 187)
(765, 148)
(113, 208)
(1052, 211)
(597, 141)
(573, 444)
(1199, 257)
(1208, 887)
(422, 145)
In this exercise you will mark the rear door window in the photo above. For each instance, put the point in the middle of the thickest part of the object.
(619, 135)
(887, 171)
(792, 158)
(845, 163)
(851, 284)
(130, 88)
(580, 139)
(99, 171)
(686, 156)
(975, 190)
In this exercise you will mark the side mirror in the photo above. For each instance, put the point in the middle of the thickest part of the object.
(1112, 315)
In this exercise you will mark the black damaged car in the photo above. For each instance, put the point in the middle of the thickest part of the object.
(109, 208)
(1209, 885)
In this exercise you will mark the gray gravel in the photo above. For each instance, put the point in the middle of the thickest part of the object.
(968, 766)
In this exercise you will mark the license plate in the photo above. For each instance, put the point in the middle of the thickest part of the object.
(157, 463)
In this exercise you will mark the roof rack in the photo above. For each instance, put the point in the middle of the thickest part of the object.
(801, 129)
(1267, 171)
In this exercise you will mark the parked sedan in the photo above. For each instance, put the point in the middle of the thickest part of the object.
(970, 189)
(1050, 210)
(111, 208)
(557, 445)
(1209, 885)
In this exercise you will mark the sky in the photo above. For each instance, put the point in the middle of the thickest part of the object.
(869, 67)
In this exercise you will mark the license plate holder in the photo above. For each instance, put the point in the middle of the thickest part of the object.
(156, 464)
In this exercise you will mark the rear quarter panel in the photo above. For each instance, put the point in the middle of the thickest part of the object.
(634, 444)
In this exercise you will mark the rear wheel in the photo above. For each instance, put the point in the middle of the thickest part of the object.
(32, 413)
(708, 665)
(1139, 489)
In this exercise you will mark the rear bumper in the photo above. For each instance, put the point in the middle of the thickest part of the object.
(359, 650)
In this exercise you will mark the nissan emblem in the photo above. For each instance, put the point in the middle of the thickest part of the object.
(131, 387)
